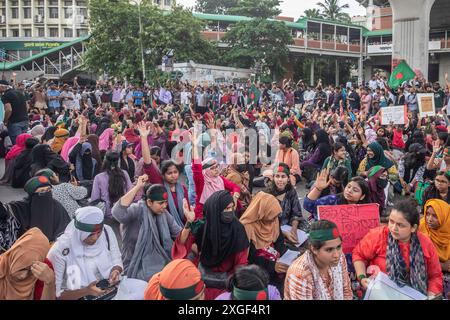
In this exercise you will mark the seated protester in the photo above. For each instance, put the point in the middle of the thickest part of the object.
(43, 157)
(315, 160)
(179, 280)
(176, 191)
(321, 272)
(148, 230)
(39, 210)
(61, 135)
(408, 257)
(355, 192)
(150, 157)
(338, 159)
(440, 189)
(86, 253)
(67, 194)
(375, 157)
(440, 158)
(261, 223)
(86, 167)
(12, 155)
(25, 273)
(109, 186)
(288, 155)
(94, 141)
(126, 162)
(338, 181)
(238, 173)
(22, 164)
(217, 243)
(378, 180)
(412, 167)
(250, 283)
(436, 225)
(288, 198)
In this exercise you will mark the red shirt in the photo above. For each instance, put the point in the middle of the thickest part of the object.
(154, 176)
(39, 286)
(372, 251)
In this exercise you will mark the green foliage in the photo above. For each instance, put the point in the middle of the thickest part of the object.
(114, 47)
(312, 13)
(332, 10)
(215, 6)
(264, 9)
(258, 40)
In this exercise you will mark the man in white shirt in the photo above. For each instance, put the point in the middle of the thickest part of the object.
(309, 96)
(185, 97)
(67, 98)
(373, 83)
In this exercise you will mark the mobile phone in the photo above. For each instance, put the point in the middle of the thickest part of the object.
(103, 284)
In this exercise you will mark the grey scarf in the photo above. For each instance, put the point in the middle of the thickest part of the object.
(153, 246)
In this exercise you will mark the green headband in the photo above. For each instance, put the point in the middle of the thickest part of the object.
(324, 234)
(48, 173)
(183, 293)
(240, 294)
(36, 182)
(281, 168)
(374, 170)
(159, 196)
(86, 227)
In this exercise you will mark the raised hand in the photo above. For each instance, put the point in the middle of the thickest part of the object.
(143, 130)
(322, 180)
(188, 213)
(141, 181)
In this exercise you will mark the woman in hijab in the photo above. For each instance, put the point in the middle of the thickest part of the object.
(307, 140)
(86, 167)
(22, 165)
(375, 157)
(378, 180)
(23, 271)
(86, 253)
(49, 134)
(261, 223)
(218, 242)
(315, 160)
(237, 172)
(11, 156)
(39, 209)
(106, 141)
(44, 157)
(61, 136)
(93, 140)
(179, 280)
(38, 131)
(436, 225)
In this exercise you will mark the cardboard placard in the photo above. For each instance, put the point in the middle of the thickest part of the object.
(426, 104)
(395, 114)
(353, 221)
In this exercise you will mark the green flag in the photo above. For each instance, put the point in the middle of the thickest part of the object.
(401, 73)
(253, 94)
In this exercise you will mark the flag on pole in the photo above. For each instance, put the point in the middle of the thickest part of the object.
(253, 94)
(401, 74)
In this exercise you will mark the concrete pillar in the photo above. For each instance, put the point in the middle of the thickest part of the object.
(312, 72)
(360, 70)
(411, 31)
(337, 72)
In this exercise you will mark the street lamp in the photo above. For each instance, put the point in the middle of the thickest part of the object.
(138, 3)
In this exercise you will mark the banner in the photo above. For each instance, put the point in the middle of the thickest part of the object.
(353, 221)
(383, 288)
(395, 114)
(426, 104)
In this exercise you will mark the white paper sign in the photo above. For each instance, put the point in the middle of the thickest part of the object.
(383, 288)
(396, 114)
(288, 257)
(302, 236)
(426, 104)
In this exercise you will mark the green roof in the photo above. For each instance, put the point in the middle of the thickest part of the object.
(12, 65)
(304, 20)
(230, 18)
(374, 33)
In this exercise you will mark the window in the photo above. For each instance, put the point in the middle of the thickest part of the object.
(53, 3)
(82, 32)
(53, 13)
(40, 32)
(27, 33)
(40, 3)
(167, 3)
(26, 3)
(14, 3)
(82, 12)
(53, 32)
(41, 12)
(14, 32)
(68, 13)
(158, 2)
(27, 13)
(81, 3)
(15, 13)
(68, 33)
(3, 33)
(68, 3)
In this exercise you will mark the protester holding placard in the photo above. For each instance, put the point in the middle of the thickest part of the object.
(376, 157)
(355, 192)
(321, 272)
(405, 255)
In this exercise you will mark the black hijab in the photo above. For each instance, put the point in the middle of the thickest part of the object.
(43, 157)
(49, 133)
(222, 239)
(323, 144)
(307, 139)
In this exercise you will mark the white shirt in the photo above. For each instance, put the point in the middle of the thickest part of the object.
(67, 103)
(185, 97)
(373, 84)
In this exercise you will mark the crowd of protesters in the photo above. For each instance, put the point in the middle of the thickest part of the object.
(182, 191)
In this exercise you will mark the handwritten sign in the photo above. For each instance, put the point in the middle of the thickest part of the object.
(353, 221)
(396, 115)
(426, 104)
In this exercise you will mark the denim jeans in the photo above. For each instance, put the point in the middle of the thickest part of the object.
(191, 184)
(15, 129)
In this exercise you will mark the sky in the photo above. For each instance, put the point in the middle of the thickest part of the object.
(295, 8)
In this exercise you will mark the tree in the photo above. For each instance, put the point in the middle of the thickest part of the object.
(312, 13)
(114, 46)
(332, 10)
(214, 6)
(264, 9)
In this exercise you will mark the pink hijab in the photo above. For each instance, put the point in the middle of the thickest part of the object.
(212, 184)
(68, 146)
(17, 149)
(105, 139)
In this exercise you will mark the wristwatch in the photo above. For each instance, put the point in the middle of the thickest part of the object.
(361, 276)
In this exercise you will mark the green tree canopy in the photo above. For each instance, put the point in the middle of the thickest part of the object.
(257, 8)
(115, 43)
(215, 6)
(312, 13)
(332, 10)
